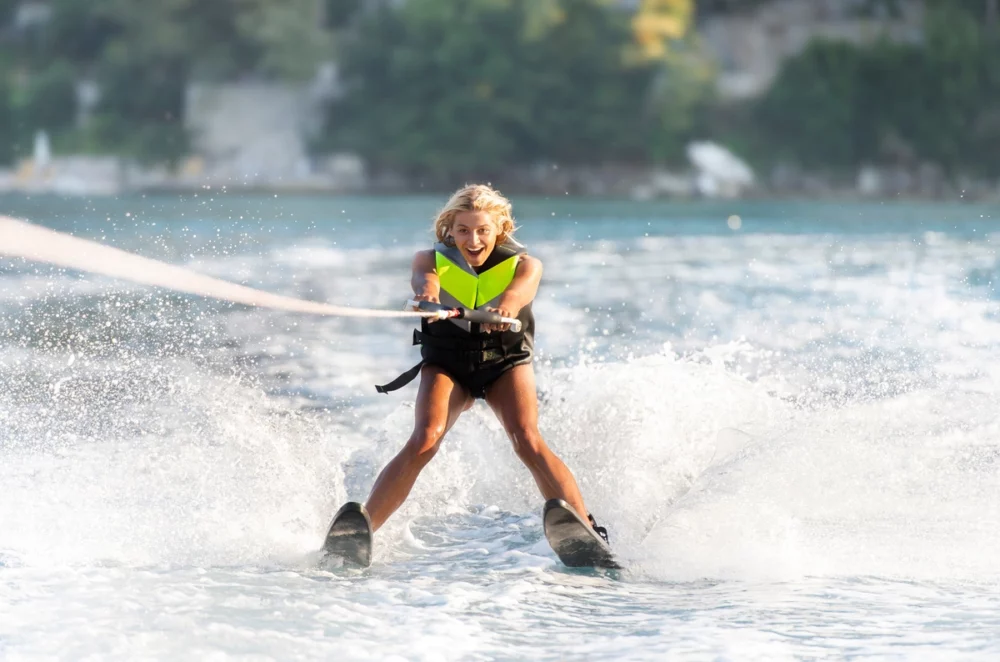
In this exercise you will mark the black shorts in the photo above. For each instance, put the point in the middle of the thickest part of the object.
(473, 362)
(478, 380)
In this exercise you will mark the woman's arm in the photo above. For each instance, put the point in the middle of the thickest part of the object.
(424, 279)
(520, 292)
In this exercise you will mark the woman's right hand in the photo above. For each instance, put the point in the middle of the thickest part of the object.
(427, 297)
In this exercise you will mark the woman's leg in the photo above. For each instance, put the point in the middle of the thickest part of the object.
(515, 402)
(440, 400)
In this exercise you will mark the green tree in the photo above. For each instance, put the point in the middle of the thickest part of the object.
(811, 111)
(144, 54)
(76, 33)
(460, 89)
(223, 39)
(49, 100)
(426, 90)
(837, 104)
(6, 121)
(7, 9)
(340, 14)
(290, 35)
(140, 113)
(680, 98)
(962, 90)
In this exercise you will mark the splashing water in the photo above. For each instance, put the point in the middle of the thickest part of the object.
(792, 437)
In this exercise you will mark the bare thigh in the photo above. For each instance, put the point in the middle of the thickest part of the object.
(514, 399)
(440, 401)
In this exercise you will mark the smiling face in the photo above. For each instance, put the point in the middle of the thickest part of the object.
(475, 235)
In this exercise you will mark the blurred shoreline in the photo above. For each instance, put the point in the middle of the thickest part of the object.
(86, 176)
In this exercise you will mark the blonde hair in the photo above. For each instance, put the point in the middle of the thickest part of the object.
(476, 197)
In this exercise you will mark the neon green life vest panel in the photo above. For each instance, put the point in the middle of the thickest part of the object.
(472, 290)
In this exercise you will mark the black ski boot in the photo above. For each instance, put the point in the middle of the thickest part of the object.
(599, 530)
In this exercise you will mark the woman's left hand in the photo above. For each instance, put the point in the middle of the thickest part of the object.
(500, 328)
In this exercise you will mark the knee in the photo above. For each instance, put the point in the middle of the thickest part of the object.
(528, 444)
(424, 443)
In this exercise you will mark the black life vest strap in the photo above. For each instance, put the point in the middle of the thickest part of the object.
(472, 344)
(476, 350)
(401, 381)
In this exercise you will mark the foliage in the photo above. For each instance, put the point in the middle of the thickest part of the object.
(141, 109)
(840, 105)
(962, 91)
(217, 39)
(289, 34)
(681, 95)
(76, 33)
(6, 122)
(340, 13)
(7, 11)
(657, 23)
(812, 109)
(464, 88)
(439, 87)
(143, 54)
(49, 100)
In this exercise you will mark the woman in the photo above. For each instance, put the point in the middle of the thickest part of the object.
(476, 264)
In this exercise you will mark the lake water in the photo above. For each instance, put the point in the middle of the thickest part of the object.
(790, 428)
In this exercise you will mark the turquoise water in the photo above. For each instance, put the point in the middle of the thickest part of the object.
(789, 428)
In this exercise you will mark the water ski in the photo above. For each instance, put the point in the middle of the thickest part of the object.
(573, 539)
(350, 535)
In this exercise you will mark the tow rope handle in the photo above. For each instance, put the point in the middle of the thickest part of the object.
(444, 312)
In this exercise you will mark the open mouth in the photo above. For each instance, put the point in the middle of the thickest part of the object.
(475, 253)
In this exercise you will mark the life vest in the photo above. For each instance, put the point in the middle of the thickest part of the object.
(458, 345)
(462, 287)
